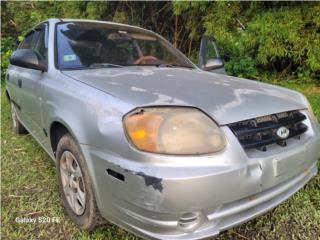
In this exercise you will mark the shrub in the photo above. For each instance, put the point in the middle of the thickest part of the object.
(8, 44)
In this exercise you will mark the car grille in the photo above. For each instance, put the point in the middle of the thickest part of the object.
(262, 131)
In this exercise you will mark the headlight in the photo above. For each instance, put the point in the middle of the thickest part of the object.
(173, 130)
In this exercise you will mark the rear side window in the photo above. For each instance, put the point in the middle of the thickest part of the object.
(39, 45)
(27, 42)
(36, 40)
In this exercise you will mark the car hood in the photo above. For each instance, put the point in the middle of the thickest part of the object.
(226, 99)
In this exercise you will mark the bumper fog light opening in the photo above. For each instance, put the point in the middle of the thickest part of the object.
(189, 222)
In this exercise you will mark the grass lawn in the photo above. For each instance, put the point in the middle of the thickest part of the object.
(29, 188)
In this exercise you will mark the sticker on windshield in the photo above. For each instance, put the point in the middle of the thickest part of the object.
(68, 58)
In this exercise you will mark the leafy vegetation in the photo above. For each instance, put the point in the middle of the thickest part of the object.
(263, 36)
(276, 39)
(7, 46)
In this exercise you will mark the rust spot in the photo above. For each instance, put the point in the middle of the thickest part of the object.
(252, 198)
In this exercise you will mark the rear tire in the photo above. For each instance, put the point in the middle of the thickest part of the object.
(75, 185)
(17, 126)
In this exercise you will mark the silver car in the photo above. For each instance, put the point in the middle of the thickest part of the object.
(144, 138)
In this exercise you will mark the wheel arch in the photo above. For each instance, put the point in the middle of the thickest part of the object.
(56, 131)
(8, 95)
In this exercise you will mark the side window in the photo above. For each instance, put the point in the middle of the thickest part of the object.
(211, 51)
(26, 43)
(36, 40)
(39, 45)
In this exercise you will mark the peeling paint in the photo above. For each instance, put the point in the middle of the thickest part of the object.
(155, 182)
(138, 89)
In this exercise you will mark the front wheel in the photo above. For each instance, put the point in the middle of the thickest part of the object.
(75, 186)
(17, 126)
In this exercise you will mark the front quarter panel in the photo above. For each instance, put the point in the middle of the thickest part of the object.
(89, 114)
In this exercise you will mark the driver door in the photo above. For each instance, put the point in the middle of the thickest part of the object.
(31, 83)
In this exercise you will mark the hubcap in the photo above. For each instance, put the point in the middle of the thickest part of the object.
(72, 182)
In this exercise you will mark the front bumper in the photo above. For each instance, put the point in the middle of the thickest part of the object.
(198, 197)
(228, 215)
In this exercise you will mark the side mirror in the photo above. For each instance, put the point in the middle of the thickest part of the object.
(212, 64)
(209, 57)
(27, 58)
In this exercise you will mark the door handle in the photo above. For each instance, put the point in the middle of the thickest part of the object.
(19, 83)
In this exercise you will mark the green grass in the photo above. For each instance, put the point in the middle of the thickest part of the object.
(29, 189)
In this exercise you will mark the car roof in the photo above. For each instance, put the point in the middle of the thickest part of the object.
(115, 24)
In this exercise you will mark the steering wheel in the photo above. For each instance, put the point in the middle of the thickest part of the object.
(145, 58)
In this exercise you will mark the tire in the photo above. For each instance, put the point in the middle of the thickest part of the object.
(17, 126)
(75, 185)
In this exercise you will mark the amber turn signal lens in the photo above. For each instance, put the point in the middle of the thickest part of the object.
(143, 129)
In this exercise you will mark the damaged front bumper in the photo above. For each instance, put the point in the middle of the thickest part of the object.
(200, 196)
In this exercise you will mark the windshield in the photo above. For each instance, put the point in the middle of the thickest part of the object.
(93, 45)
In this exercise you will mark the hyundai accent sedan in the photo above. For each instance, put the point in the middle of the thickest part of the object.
(149, 141)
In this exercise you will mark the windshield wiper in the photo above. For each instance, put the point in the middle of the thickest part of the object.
(162, 65)
(174, 66)
(104, 65)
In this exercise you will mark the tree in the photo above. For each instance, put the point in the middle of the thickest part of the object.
(278, 39)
